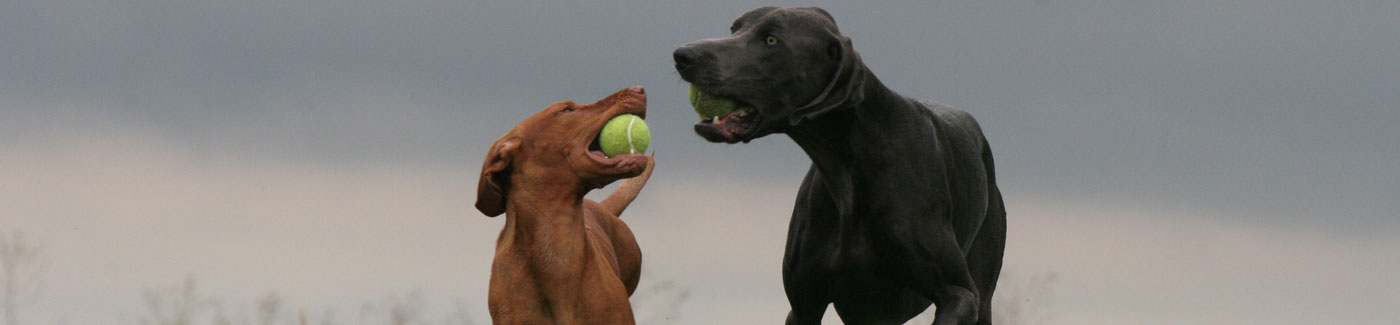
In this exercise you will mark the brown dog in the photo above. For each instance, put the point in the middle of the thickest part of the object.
(563, 259)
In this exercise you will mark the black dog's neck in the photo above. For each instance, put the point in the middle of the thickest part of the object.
(827, 139)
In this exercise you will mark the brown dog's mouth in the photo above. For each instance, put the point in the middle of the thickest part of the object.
(595, 151)
(738, 125)
(622, 163)
(595, 148)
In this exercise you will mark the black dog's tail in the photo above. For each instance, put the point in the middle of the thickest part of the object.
(625, 193)
(987, 162)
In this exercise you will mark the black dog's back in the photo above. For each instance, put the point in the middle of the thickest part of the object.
(968, 158)
(982, 234)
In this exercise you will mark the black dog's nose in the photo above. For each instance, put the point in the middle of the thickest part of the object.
(685, 56)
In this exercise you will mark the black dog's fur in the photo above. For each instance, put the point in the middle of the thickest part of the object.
(900, 207)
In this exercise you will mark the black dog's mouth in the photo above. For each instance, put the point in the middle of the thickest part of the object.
(738, 125)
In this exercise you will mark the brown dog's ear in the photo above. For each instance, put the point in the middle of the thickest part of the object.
(495, 177)
(847, 85)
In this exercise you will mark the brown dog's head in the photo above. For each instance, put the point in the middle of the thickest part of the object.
(556, 150)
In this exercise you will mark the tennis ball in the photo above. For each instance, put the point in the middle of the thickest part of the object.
(708, 105)
(624, 133)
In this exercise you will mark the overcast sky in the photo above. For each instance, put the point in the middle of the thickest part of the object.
(1163, 162)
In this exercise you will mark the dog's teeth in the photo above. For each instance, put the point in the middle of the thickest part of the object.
(715, 119)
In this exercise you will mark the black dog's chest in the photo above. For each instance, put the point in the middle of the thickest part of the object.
(857, 247)
(869, 284)
(857, 253)
(854, 232)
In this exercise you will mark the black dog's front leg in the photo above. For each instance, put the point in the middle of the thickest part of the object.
(807, 296)
(807, 273)
(807, 282)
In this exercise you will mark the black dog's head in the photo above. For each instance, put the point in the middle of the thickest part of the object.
(781, 65)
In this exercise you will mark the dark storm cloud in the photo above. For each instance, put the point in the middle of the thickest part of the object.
(1276, 112)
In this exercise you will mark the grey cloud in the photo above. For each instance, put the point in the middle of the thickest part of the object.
(1274, 118)
(1278, 111)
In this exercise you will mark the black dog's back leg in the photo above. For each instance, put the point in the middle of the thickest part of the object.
(984, 257)
(940, 272)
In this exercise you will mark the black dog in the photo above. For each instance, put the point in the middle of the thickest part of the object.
(900, 207)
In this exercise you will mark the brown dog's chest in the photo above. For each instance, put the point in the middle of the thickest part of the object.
(540, 281)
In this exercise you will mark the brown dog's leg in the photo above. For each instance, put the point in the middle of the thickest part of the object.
(625, 193)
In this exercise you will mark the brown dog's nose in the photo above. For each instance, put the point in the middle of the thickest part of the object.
(638, 90)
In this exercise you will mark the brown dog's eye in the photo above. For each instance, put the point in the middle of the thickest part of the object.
(568, 108)
(771, 40)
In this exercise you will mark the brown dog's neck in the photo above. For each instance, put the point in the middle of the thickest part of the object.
(544, 208)
(549, 224)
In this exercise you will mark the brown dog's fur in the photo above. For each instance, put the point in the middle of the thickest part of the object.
(563, 259)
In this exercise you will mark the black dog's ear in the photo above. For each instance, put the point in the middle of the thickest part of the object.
(495, 177)
(748, 17)
(824, 13)
(846, 88)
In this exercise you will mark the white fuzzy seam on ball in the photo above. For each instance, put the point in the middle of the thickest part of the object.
(631, 148)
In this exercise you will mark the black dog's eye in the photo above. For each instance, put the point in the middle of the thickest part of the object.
(771, 40)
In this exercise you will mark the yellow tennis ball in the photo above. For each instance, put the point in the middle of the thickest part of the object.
(624, 133)
(708, 105)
